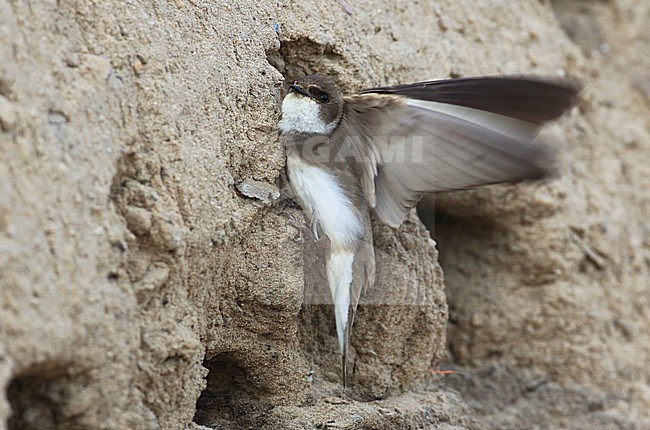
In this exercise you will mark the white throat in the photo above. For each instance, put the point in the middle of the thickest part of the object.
(300, 114)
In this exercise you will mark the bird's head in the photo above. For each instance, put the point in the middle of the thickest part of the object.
(313, 105)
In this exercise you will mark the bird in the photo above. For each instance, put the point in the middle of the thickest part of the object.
(377, 152)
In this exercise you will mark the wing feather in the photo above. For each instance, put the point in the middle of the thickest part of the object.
(364, 118)
(435, 136)
(461, 148)
(535, 100)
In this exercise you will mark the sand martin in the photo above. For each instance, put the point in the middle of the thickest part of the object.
(380, 150)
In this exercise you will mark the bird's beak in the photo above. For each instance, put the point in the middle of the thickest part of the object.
(298, 89)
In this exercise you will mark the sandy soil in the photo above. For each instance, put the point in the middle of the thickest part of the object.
(144, 286)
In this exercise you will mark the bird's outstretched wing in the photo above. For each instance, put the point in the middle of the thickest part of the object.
(450, 135)
(529, 99)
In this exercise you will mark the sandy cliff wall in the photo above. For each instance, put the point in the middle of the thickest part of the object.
(138, 282)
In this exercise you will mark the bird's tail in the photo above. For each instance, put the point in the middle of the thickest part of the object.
(339, 277)
(349, 271)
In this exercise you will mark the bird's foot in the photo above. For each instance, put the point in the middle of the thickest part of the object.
(302, 226)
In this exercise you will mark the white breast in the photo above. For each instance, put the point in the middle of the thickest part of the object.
(322, 196)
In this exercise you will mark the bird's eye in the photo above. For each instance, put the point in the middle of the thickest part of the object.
(324, 97)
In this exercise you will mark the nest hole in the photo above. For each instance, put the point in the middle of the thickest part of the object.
(226, 381)
(43, 397)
